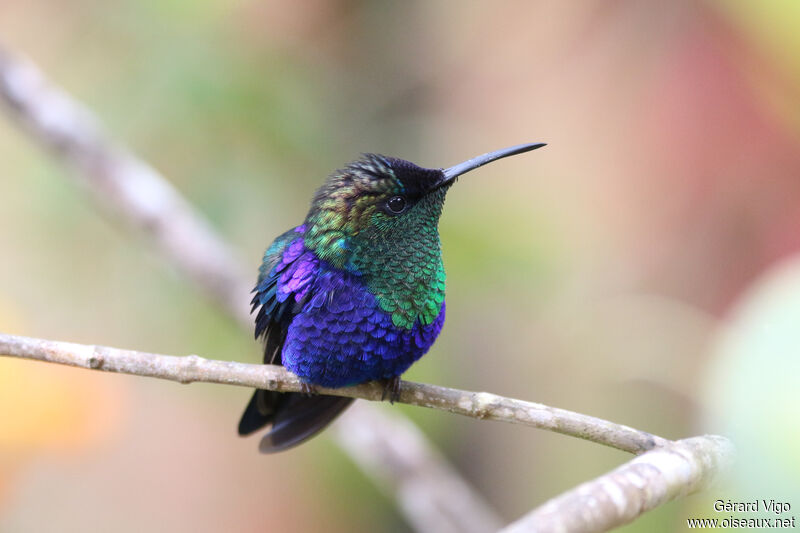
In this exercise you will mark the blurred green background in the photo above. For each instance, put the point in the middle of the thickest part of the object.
(636, 269)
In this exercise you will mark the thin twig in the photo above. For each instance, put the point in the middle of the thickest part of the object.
(191, 368)
(130, 191)
(668, 470)
(622, 495)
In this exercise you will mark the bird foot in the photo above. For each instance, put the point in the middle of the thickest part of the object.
(308, 389)
(391, 388)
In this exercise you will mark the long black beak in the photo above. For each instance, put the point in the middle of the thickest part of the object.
(462, 168)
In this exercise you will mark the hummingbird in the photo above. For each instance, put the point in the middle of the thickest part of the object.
(355, 293)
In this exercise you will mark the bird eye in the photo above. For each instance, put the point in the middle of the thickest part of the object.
(396, 204)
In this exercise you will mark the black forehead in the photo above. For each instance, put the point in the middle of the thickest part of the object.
(414, 180)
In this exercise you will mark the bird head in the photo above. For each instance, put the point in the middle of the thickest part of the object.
(383, 203)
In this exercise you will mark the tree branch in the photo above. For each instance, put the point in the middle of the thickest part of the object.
(127, 189)
(191, 368)
(666, 471)
(622, 495)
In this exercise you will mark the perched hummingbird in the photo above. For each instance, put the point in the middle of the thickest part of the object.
(356, 292)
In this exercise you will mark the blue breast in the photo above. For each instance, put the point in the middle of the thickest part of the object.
(339, 335)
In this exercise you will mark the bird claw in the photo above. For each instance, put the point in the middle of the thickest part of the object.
(391, 388)
(308, 389)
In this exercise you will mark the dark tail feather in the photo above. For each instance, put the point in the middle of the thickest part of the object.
(259, 412)
(295, 417)
(299, 418)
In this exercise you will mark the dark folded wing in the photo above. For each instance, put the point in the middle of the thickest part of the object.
(284, 286)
